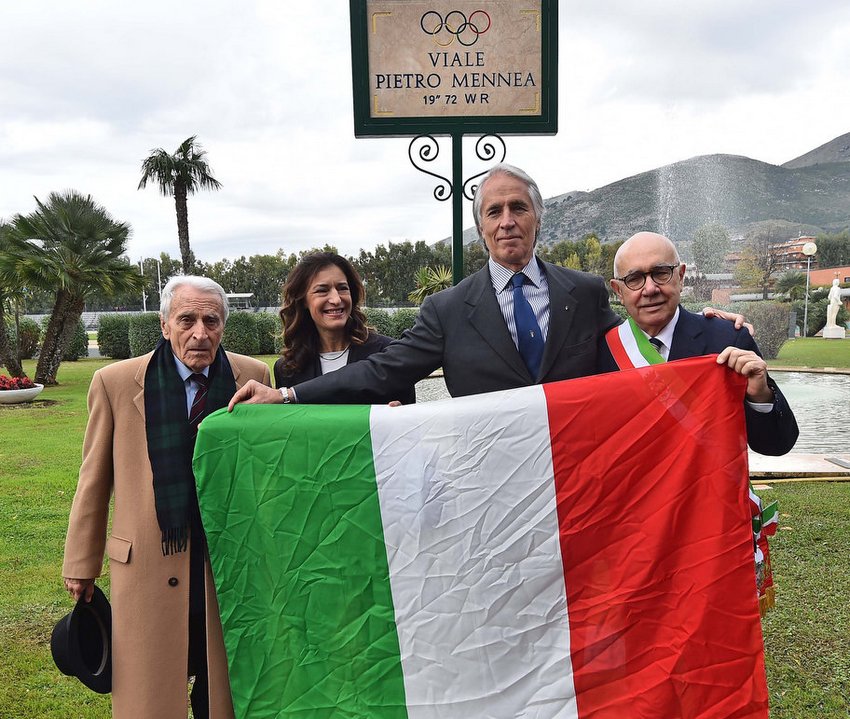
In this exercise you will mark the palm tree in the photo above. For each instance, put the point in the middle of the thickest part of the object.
(180, 175)
(9, 292)
(793, 284)
(72, 246)
(430, 280)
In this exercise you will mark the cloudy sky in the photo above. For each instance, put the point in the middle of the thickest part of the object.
(89, 87)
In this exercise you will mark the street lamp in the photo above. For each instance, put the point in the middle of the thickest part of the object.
(144, 296)
(809, 249)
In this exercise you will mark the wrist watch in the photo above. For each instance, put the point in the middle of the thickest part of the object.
(284, 392)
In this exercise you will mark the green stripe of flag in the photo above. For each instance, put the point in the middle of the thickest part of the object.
(318, 638)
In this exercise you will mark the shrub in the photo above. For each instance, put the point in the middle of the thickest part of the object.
(240, 334)
(620, 309)
(402, 320)
(144, 333)
(79, 344)
(379, 320)
(268, 333)
(30, 337)
(113, 336)
(770, 320)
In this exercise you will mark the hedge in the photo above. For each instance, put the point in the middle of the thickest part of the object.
(268, 333)
(379, 320)
(770, 321)
(30, 337)
(402, 319)
(113, 336)
(144, 333)
(240, 334)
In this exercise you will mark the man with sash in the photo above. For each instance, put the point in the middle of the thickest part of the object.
(143, 418)
(647, 279)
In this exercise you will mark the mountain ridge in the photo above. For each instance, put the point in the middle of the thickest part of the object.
(807, 195)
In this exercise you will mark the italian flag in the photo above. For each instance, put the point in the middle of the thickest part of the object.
(579, 549)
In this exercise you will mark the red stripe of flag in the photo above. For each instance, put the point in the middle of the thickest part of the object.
(657, 544)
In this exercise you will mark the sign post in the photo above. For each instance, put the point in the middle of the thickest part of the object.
(454, 67)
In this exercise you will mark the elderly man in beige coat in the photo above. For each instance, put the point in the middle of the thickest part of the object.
(143, 416)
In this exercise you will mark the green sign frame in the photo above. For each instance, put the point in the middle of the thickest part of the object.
(544, 123)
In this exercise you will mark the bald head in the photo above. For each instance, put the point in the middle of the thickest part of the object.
(640, 244)
(649, 262)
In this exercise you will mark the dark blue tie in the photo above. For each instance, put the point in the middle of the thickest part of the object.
(528, 333)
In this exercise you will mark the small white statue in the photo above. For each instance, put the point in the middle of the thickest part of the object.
(832, 330)
(834, 304)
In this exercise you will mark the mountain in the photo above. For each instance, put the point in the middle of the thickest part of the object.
(677, 199)
(807, 195)
(837, 150)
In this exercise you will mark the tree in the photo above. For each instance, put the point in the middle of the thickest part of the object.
(792, 284)
(474, 258)
(10, 293)
(388, 272)
(709, 247)
(833, 249)
(759, 260)
(180, 175)
(71, 246)
(430, 280)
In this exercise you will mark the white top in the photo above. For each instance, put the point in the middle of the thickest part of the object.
(332, 361)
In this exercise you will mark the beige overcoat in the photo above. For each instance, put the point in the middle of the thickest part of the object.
(149, 592)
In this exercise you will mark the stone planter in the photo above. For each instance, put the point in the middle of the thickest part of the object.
(16, 396)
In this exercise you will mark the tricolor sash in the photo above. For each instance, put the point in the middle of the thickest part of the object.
(630, 347)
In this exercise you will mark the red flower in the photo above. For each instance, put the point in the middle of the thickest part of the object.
(15, 383)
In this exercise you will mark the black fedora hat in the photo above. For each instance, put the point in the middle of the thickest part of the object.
(81, 643)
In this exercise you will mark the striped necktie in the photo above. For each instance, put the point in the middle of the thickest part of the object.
(200, 401)
(657, 343)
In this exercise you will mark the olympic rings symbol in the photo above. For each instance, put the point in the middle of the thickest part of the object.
(457, 25)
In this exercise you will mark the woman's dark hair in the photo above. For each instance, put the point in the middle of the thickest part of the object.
(300, 336)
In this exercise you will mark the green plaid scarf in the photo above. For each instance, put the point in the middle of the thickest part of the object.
(171, 443)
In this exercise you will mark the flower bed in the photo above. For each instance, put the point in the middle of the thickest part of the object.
(7, 383)
(14, 390)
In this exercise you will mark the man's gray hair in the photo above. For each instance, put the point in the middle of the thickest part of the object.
(503, 168)
(202, 284)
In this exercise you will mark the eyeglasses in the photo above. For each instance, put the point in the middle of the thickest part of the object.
(660, 275)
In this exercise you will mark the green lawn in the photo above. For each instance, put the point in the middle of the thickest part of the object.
(814, 352)
(807, 636)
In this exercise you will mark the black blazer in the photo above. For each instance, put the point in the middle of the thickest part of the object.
(772, 433)
(374, 343)
(462, 330)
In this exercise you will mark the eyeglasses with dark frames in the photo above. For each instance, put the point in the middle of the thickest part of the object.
(660, 275)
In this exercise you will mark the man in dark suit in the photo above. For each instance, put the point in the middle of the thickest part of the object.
(516, 322)
(648, 279)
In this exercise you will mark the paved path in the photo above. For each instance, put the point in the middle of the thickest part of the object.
(812, 467)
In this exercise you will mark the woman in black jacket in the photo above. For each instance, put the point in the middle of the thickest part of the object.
(323, 326)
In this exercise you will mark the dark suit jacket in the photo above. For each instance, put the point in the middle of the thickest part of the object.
(462, 330)
(374, 343)
(772, 433)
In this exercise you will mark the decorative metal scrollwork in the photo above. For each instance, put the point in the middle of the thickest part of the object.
(486, 150)
(425, 148)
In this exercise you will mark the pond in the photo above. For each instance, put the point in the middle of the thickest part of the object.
(821, 403)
